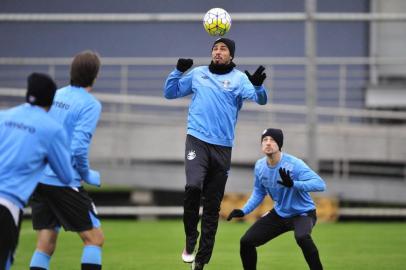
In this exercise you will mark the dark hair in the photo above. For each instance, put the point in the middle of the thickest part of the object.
(84, 69)
(40, 90)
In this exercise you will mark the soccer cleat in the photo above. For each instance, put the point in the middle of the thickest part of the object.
(197, 266)
(186, 257)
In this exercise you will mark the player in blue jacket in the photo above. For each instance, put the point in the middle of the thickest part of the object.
(288, 181)
(29, 139)
(218, 92)
(56, 204)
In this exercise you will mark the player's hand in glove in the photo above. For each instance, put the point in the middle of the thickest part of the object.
(258, 77)
(184, 64)
(286, 179)
(235, 213)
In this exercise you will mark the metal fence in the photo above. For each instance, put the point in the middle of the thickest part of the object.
(131, 92)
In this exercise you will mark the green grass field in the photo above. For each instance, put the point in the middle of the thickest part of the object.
(153, 245)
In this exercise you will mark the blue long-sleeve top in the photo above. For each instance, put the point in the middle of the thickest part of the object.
(29, 139)
(78, 111)
(215, 103)
(288, 202)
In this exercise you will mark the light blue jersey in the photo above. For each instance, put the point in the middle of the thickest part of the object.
(29, 138)
(78, 111)
(288, 202)
(216, 101)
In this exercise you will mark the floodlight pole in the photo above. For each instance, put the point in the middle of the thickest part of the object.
(311, 84)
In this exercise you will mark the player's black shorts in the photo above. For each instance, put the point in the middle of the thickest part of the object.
(9, 232)
(72, 208)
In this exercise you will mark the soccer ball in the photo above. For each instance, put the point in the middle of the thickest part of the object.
(217, 22)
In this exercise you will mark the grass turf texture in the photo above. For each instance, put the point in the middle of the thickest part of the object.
(157, 245)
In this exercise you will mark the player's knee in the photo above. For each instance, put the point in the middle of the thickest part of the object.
(99, 239)
(246, 242)
(192, 195)
(93, 237)
(193, 190)
(211, 207)
(303, 240)
(306, 243)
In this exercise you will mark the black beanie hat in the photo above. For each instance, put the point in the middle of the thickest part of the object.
(276, 134)
(229, 43)
(40, 90)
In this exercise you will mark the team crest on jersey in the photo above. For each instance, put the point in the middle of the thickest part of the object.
(226, 85)
(191, 155)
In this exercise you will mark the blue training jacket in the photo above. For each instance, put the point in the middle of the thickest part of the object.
(216, 101)
(78, 111)
(29, 138)
(288, 202)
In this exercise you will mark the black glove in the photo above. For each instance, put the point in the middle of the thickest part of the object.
(258, 77)
(286, 179)
(235, 213)
(184, 64)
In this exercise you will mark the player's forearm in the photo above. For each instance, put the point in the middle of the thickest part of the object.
(58, 165)
(81, 163)
(312, 185)
(171, 89)
(253, 202)
(261, 96)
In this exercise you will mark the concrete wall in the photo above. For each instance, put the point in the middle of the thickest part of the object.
(151, 156)
(166, 142)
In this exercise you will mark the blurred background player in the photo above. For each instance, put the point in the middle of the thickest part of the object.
(29, 138)
(56, 204)
(288, 181)
(218, 93)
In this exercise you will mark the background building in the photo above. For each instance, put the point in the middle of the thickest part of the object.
(337, 80)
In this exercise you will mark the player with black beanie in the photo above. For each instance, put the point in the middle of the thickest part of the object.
(29, 140)
(218, 91)
(288, 181)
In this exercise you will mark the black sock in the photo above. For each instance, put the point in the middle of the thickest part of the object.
(90, 266)
(37, 268)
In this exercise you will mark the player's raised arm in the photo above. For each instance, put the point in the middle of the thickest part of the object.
(177, 85)
(253, 88)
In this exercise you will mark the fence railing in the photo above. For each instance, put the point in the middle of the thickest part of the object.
(341, 81)
(131, 91)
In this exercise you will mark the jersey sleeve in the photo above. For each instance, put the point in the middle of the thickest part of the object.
(177, 85)
(257, 196)
(81, 138)
(59, 157)
(251, 92)
(307, 180)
